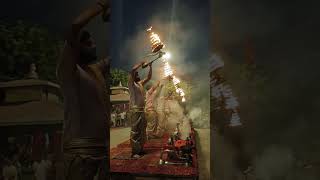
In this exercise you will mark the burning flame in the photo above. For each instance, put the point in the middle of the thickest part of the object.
(168, 72)
(175, 80)
(155, 39)
(156, 44)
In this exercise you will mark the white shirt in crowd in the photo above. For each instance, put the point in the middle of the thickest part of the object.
(10, 172)
(41, 169)
(123, 115)
(113, 118)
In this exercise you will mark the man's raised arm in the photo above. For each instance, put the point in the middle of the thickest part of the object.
(84, 18)
(147, 79)
(132, 73)
(136, 67)
(153, 88)
(159, 89)
(70, 53)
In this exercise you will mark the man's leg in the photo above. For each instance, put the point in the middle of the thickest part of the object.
(136, 135)
(143, 130)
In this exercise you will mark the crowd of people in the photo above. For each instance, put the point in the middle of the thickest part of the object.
(119, 119)
(17, 163)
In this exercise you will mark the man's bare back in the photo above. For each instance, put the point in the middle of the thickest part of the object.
(86, 101)
(85, 105)
(86, 120)
(82, 81)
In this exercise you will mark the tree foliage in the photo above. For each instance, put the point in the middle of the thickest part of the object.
(22, 44)
(117, 76)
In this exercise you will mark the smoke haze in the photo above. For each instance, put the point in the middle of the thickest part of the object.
(280, 110)
(189, 53)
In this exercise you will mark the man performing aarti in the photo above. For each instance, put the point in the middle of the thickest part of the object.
(152, 96)
(86, 101)
(137, 106)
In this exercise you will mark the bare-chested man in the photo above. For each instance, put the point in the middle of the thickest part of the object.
(86, 121)
(137, 115)
(151, 107)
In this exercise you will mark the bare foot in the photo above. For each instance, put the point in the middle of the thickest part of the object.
(137, 156)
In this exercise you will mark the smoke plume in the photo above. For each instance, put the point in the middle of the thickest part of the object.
(279, 107)
(189, 53)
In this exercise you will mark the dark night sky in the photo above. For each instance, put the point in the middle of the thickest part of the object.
(57, 15)
(285, 34)
(137, 15)
(276, 28)
(190, 37)
(129, 22)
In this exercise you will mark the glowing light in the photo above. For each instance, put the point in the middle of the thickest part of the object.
(149, 30)
(182, 93)
(167, 70)
(167, 56)
(155, 39)
(156, 46)
(175, 80)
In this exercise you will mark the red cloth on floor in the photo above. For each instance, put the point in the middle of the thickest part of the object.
(148, 165)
